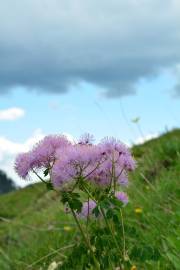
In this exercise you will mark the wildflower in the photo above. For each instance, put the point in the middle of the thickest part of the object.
(67, 162)
(117, 156)
(123, 180)
(86, 139)
(53, 266)
(74, 162)
(138, 210)
(127, 162)
(67, 228)
(133, 267)
(122, 197)
(23, 164)
(44, 152)
(87, 208)
(42, 155)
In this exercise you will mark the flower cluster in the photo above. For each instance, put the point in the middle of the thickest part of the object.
(66, 161)
(89, 179)
(41, 156)
(102, 165)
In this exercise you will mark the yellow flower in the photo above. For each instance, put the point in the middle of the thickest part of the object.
(133, 267)
(67, 228)
(138, 210)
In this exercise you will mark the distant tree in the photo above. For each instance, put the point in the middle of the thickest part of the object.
(6, 184)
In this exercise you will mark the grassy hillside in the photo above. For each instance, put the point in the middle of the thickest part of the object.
(34, 231)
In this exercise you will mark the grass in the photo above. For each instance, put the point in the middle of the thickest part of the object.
(34, 231)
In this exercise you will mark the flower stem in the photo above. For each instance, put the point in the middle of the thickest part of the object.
(39, 176)
(109, 227)
(85, 239)
(123, 232)
(106, 221)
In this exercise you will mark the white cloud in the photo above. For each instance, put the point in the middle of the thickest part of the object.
(69, 137)
(146, 138)
(11, 113)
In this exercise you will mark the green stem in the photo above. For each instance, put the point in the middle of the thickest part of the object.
(109, 227)
(75, 185)
(123, 232)
(39, 176)
(89, 194)
(87, 223)
(85, 239)
(106, 221)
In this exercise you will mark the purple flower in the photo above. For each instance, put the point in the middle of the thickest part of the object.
(23, 164)
(115, 162)
(100, 164)
(73, 162)
(123, 180)
(121, 196)
(102, 175)
(86, 139)
(42, 155)
(111, 145)
(44, 151)
(127, 162)
(87, 209)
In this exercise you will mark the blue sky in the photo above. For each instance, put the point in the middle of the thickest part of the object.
(85, 109)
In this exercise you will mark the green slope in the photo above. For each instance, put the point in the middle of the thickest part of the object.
(34, 231)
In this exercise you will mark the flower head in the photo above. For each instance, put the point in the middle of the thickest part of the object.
(44, 152)
(67, 162)
(67, 228)
(23, 164)
(42, 155)
(138, 210)
(74, 162)
(87, 209)
(121, 196)
(86, 139)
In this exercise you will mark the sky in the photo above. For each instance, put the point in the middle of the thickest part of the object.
(86, 66)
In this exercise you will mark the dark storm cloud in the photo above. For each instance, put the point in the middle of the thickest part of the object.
(53, 45)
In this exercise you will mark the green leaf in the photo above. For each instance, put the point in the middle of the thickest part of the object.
(114, 201)
(145, 253)
(46, 172)
(116, 219)
(174, 260)
(96, 211)
(105, 203)
(75, 204)
(109, 213)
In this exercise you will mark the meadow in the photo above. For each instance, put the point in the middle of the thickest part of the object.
(36, 233)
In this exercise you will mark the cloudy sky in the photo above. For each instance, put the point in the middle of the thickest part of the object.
(87, 66)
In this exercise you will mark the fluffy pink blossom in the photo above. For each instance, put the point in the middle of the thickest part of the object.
(121, 196)
(67, 162)
(87, 209)
(86, 139)
(41, 156)
(44, 152)
(23, 164)
(73, 162)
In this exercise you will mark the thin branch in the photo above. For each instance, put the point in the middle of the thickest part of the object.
(49, 254)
